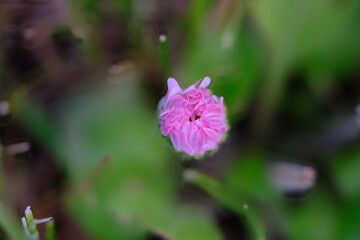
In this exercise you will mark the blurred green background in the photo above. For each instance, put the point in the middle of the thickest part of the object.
(79, 87)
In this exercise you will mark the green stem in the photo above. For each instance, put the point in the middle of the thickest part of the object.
(164, 56)
(50, 230)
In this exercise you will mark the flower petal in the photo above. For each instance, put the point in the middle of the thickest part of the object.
(205, 82)
(173, 85)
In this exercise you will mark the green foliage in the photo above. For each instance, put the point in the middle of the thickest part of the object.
(304, 31)
(249, 177)
(33, 118)
(345, 167)
(100, 221)
(317, 36)
(9, 225)
(243, 187)
(229, 55)
(315, 219)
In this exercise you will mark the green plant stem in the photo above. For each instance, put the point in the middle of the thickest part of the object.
(50, 230)
(164, 56)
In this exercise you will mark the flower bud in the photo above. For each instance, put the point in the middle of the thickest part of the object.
(193, 118)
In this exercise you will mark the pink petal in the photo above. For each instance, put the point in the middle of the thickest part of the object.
(173, 89)
(173, 85)
(221, 100)
(193, 101)
(209, 146)
(211, 133)
(198, 143)
(175, 139)
(177, 100)
(192, 86)
(205, 82)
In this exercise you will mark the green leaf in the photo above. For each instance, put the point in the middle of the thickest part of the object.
(316, 34)
(189, 223)
(249, 177)
(345, 167)
(100, 221)
(10, 226)
(315, 219)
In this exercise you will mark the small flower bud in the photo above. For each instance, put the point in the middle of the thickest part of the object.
(193, 118)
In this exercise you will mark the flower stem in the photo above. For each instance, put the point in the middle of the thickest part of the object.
(50, 230)
(164, 56)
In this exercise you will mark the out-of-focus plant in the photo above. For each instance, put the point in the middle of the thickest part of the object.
(318, 36)
(9, 225)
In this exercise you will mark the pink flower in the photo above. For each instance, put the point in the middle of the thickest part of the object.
(193, 118)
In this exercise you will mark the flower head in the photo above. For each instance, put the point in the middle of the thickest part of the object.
(193, 118)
